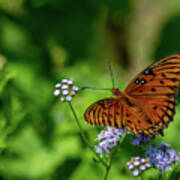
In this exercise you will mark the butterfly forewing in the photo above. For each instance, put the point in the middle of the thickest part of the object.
(155, 89)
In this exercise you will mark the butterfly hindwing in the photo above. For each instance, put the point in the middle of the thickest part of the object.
(106, 112)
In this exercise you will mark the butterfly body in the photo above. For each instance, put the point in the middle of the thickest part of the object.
(148, 103)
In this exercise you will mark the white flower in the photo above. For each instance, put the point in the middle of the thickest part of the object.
(72, 92)
(70, 81)
(58, 85)
(68, 98)
(136, 163)
(131, 166)
(64, 86)
(143, 160)
(142, 167)
(65, 92)
(135, 172)
(62, 99)
(57, 92)
(136, 158)
(75, 88)
(64, 81)
(148, 165)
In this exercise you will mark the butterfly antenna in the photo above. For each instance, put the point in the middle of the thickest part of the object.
(111, 73)
(95, 88)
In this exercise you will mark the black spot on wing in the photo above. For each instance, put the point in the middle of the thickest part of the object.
(109, 101)
(148, 71)
(149, 121)
(161, 82)
(143, 81)
(101, 103)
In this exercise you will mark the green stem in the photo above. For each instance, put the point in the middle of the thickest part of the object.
(160, 176)
(141, 177)
(106, 173)
(85, 138)
(108, 168)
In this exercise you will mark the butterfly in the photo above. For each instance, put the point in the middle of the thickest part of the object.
(147, 104)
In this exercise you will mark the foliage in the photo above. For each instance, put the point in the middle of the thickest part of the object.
(46, 40)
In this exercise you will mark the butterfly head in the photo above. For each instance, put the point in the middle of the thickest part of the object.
(116, 92)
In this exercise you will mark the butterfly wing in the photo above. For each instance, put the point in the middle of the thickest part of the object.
(121, 112)
(106, 112)
(155, 89)
(135, 119)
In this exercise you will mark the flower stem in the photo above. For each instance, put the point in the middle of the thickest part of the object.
(108, 167)
(141, 177)
(106, 172)
(160, 176)
(85, 138)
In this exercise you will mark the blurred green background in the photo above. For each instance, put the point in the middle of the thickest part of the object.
(43, 41)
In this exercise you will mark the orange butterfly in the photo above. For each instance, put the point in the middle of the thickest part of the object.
(148, 103)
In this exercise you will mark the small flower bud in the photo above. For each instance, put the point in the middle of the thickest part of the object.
(58, 85)
(128, 163)
(64, 81)
(143, 160)
(135, 172)
(136, 163)
(68, 98)
(73, 93)
(64, 86)
(65, 92)
(136, 158)
(57, 92)
(75, 88)
(62, 99)
(148, 165)
(70, 82)
(142, 167)
(131, 166)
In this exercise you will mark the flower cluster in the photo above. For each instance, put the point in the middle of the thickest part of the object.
(138, 165)
(162, 157)
(65, 90)
(108, 139)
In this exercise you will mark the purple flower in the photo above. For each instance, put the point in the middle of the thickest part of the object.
(141, 139)
(163, 146)
(108, 139)
(102, 147)
(173, 156)
(162, 157)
